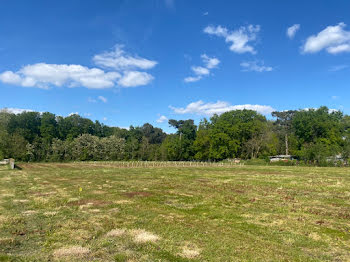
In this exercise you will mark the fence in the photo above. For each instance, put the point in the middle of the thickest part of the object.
(153, 164)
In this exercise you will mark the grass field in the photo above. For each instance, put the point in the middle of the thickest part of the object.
(98, 212)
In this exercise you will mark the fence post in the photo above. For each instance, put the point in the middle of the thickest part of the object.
(12, 163)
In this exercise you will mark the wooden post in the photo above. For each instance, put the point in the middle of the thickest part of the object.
(12, 163)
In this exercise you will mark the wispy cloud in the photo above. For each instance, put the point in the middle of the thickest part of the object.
(291, 31)
(240, 39)
(338, 68)
(119, 60)
(103, 99)
(334, 39)
(15, 110)
(255, 66)
(92, 100)
(200, 71)
(209, 109)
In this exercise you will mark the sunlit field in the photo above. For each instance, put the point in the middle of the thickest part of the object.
(104, 212)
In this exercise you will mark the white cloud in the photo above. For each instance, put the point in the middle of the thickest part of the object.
(334, 39)
(135, 78)
(339, 49)
(15, 110)
(45, 75)
(123, 72)
(291, 31)
(205, 13)
(239, 38)
(105, 119)
(73, 113)
(255, 66)
(191, 79)
(200, 71)
(103, 99)
(209, 109)
(211, 62)
(162, 119)
(119, 60)
(9, 77)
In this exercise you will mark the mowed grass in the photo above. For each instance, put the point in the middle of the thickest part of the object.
(97, 212)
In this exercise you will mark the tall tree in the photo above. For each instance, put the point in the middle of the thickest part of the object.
(284, 122)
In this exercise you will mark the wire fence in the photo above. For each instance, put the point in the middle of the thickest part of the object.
(155, 164)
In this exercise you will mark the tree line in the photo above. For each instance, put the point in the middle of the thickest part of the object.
(313, 135)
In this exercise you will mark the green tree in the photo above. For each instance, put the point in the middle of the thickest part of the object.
(284, 122)
(48, 127)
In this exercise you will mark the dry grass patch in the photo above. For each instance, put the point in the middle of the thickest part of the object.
(143, 236)
(29, 212)
(71, 251)
(94, 210)
(116, 232)
(89, 202)
(50, 213)
(7, 195)
(20, 200)
(124, 201)
(3, 219)
(190, 251)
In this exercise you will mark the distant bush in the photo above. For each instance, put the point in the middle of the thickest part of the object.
(284, 163)
(255, 162)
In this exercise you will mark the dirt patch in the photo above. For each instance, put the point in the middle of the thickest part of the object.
(94, 202)
(137, 194)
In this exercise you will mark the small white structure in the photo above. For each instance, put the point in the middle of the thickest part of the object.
(284, 158)
(10, 162)
(5, 162)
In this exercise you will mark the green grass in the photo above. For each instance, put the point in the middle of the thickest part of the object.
(239, 213)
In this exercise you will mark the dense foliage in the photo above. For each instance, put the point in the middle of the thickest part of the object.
(314, 135)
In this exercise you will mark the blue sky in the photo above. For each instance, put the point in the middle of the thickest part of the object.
(130, 62)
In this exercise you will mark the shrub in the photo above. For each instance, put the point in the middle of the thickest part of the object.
(255, 161)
